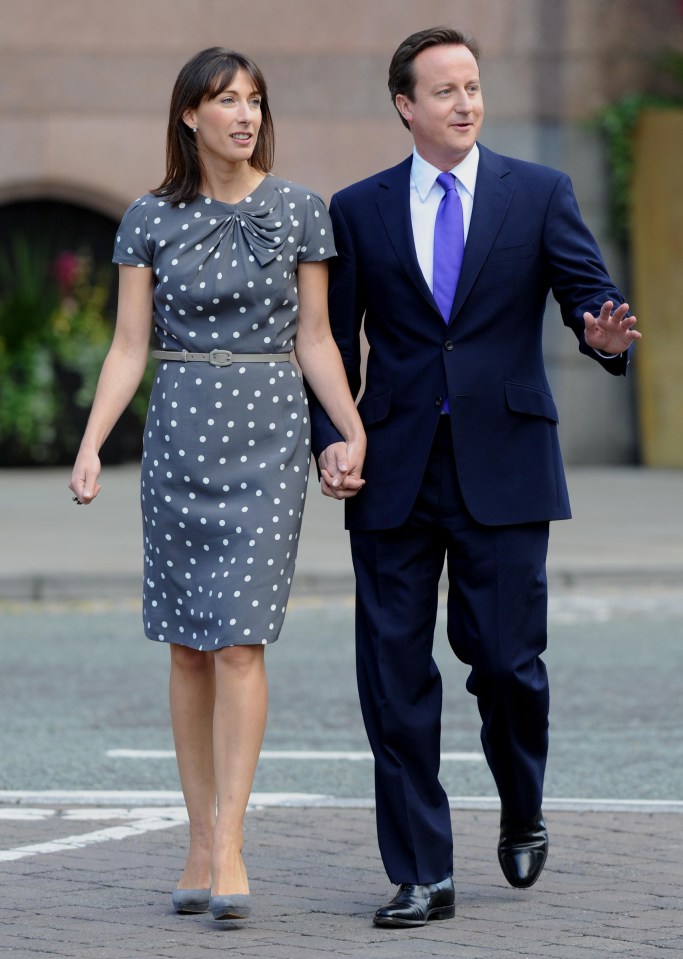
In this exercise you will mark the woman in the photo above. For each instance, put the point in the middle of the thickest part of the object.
(226, 258)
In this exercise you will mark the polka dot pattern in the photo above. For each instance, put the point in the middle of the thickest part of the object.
(226, 450)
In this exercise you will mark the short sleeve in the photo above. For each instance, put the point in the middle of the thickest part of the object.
(132, 247)
(318, 239)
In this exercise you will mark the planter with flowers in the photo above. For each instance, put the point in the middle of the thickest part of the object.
(54, 334)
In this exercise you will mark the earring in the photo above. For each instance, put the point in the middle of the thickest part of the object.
(194, 129)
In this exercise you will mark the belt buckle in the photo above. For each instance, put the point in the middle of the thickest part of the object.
(220, 358)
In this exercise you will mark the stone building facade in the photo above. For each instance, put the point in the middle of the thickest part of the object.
(85, 84)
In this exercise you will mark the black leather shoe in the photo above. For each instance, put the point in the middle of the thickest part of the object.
(522, 849)
(415, 905)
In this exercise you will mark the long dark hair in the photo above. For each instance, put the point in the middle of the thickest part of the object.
(203, 77)
(401, 70)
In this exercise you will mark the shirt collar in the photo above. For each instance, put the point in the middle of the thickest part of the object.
(424, 174)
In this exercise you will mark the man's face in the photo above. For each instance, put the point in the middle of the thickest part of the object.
(448, 110)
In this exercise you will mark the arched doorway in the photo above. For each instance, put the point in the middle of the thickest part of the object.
(57, 309)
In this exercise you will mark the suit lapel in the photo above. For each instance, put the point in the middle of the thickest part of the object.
(393, 204)
(492, 196)
(491, 200)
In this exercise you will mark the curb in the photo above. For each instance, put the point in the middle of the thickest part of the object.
(46, 587)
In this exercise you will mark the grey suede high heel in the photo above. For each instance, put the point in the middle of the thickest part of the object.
(191, 900)
(230, 907)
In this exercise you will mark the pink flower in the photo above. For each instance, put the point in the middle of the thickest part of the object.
(66, 269)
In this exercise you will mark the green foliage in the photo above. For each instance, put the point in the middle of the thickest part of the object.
(617, 123)
(670, 62)
(28, 294)
(54, 335)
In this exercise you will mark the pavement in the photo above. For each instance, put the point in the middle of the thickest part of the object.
(627, 531)
(89, 879)
(612, 887)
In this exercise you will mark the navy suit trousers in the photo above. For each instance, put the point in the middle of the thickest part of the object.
(497, 615)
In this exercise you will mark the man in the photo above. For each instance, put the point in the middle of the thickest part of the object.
(463, 461)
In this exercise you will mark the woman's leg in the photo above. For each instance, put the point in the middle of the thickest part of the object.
(192, 692)
(238, 728)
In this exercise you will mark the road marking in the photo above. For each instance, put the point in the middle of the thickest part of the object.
(141, 820)
(118, 800)
(131, 802)
(97, 814)
(15, 814)
(93, 797)
(85, 814)
(159, 821)
(295, 754)
(148, 817)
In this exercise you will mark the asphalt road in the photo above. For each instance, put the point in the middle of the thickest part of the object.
(79, 683)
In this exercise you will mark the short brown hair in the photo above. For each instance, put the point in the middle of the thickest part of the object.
(204, 76)
(401, 73)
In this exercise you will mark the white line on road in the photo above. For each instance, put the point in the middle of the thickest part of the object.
(90, 838)
(295, 754)
(141, 820)
(151, 818)
(133, 799)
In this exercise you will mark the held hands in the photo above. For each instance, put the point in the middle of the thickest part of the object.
(340, 466)
(84, 478)
(610, 332)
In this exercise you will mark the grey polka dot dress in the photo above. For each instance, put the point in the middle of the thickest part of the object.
(226, 449)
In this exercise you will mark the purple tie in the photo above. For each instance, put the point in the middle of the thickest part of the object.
(449, 245)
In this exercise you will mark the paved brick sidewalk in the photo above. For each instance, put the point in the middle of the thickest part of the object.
(612, 887)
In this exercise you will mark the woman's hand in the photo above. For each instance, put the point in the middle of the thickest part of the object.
(341, 465)
(84, 477)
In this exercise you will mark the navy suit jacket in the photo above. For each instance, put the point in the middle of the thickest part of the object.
(526, 238)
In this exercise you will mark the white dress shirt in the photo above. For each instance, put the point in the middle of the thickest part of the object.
(425, 197)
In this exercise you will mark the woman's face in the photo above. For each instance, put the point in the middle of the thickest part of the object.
(228, 123)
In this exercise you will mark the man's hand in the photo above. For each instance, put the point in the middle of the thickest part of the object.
(610, 332)
(340, 467)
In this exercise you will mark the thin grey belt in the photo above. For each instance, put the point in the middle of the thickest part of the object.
(221, 357)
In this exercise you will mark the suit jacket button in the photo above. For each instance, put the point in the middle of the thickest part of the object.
(439, 401)
(448, 345)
